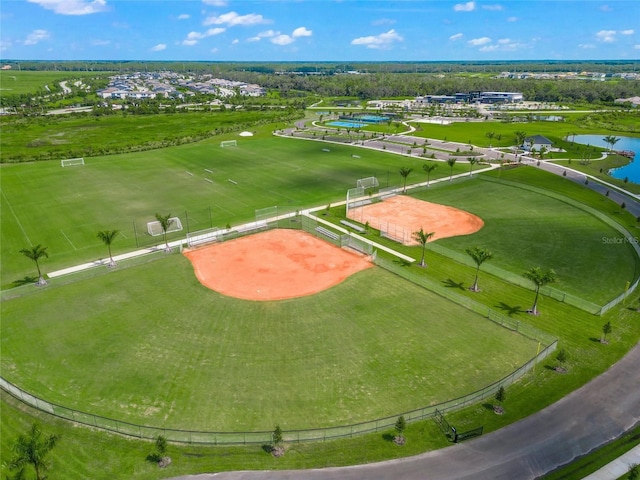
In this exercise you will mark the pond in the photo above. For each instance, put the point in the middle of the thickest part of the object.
(630, 171)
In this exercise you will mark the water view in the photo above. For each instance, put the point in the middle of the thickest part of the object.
(630, 171)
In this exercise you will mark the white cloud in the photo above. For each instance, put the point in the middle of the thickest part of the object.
(455, 37)
(282, 40)
(627, 32)
(512, 19)
(465, 7)
(586, 45)
(265, 34)
(72, 7)
(606, 36)
(5, 45)
(215, 3)
(159, 47)
(184, 16)
(382, 41)
(36, 37)
(100, 43)
(489, 48)
(301, 32)
(232, 19)
(194, 37)
(606, 8)
(235, 41)
(504, 41)
(494, 8)
(476, 42)
(637, 46)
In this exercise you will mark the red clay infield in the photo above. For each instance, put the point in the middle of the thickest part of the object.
(274, 265)
(400, 216)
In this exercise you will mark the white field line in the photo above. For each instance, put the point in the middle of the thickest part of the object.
(67, 238)
(17, 219)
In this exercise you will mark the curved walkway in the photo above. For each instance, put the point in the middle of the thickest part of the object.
(591, 416)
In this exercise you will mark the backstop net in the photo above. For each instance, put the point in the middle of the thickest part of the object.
(155, 228)
(266, 214)
(357, 244)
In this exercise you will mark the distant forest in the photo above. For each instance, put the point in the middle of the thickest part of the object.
(390, 79)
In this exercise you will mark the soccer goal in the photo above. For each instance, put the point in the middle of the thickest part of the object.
(228, 143)
(366, 183)
(154, 228)
(71, 162)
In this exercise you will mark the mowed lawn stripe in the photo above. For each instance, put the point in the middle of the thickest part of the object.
(151, 345)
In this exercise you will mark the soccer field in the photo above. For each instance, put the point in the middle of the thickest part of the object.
(202, 184)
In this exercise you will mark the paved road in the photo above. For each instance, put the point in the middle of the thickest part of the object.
(598, 412)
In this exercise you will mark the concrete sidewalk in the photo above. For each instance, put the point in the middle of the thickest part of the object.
(618, 467)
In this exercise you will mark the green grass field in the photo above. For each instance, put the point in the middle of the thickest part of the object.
(151, 345)
(64, 208)
(544, 232)
(143, 341)
(16, 82)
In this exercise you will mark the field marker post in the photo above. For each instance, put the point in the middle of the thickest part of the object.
(186, 217)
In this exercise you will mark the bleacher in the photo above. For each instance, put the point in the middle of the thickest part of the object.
(327, 233)
(355, 227)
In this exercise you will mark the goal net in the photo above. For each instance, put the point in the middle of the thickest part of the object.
(154, 228)
(229, 143)
(369, 182)
(71, 162)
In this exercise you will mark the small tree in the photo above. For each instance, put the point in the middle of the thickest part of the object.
(32, 449)
(500, 398)
(472, 161)
(634, 472)
(422, 238)
(161, 446)
(606, 330)
(277, 448)
(165, 223)
(404, 173)
(540, 278)
(35, 253)
(561, 357)
(428, 168)
(479, 256)
(451, 162)
(107, 237)
(400, 427)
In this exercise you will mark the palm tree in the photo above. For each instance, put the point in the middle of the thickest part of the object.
(490, 136)
(520, 136)
(611, 141)
(36, 253)
(422, 238)
(540, 278)
(451, 162)
(107, 237)
(404, 173)
(472, 161)
(479, 255)
(165, 223)
(32, 449)
(428, 168)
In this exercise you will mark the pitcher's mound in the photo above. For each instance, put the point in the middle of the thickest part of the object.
(274, 265)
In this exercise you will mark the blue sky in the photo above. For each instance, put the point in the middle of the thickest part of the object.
(319, 30)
